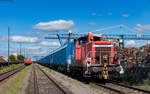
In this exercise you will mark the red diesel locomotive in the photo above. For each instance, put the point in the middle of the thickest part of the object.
(95, 56)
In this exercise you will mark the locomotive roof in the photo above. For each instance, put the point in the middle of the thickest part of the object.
(94, 35)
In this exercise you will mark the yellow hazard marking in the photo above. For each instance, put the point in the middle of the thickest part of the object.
(130, 58)
(104, 73)
(105, 57)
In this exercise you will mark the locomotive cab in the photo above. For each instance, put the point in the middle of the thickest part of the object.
(95, 55)
(93, 48)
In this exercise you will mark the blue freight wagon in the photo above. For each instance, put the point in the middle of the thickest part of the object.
(59, 58)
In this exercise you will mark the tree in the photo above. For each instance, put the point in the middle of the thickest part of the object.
(12, 58)
(20, 57)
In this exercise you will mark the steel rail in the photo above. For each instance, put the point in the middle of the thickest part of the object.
(130, 87)
(54, 82)
(7, 74)
(122, 85)
(112, 89)
(36, 88)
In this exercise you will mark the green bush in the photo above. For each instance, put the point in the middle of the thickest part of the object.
(12, 58)
(20, 57)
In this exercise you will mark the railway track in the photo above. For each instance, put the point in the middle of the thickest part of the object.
(118, 88)
(36, 88)
(131, 87)
(6, 75)
(45, 84)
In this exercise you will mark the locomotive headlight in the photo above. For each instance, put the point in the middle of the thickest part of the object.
(88, 60)
(120, 69)
(120, 40)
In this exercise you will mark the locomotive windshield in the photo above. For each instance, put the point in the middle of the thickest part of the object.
(82, 40)
(97, 38)
(102, 55)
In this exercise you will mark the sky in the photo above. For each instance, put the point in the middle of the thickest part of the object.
(31, 20)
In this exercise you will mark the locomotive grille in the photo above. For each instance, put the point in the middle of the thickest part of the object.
(102, 55)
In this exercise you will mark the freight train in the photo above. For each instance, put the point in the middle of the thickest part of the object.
(90, 55)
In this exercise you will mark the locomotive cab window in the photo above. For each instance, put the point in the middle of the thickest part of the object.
(97, 38)
(75, 42)
(82, 41)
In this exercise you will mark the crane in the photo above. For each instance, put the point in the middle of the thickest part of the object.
(121, 36)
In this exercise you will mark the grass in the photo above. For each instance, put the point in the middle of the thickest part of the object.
(8, 68)
(63, 77)
(15, 85)
(70, 80)
(144, 85)
(93, 86)
(49, 70)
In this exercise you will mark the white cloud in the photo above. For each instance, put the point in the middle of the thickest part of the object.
(130, 43)
(3, 53)
(57, 25)
(14, 54)
(138, 29)
(37, 53)
(28, 33)
(141, 28)
(125, 15)
(139, 25)
(93, 14)
(45, 43)
(110, 14)
(33, 47)
(99, 15)
(96, 14)
(24, 39)
(3, 38)
(146, 26)
(92, 23)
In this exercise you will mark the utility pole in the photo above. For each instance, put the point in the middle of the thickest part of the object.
(20, 48)
(17, 52)
(121, 36)
(8, 44)
(24, 52)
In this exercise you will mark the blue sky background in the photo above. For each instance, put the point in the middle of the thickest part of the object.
(87, 15)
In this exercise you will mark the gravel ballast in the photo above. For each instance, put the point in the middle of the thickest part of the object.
(73, 85)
